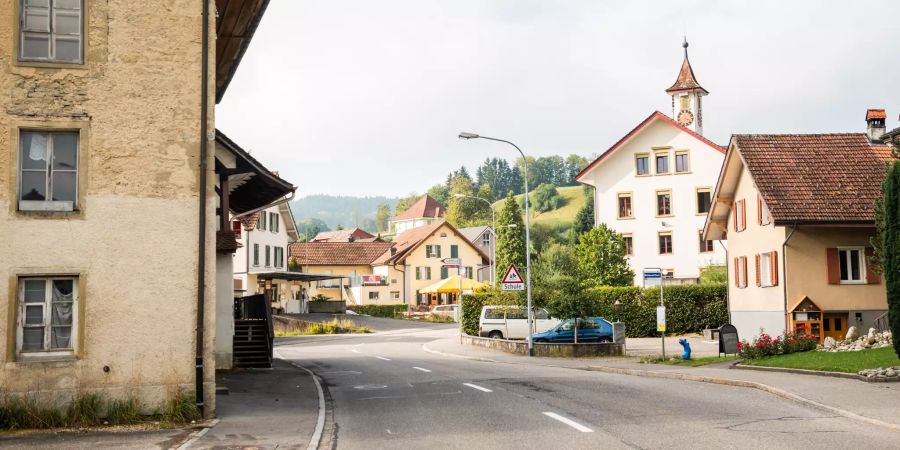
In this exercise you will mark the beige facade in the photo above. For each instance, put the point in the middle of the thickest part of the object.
(130, 242)
(418, 260)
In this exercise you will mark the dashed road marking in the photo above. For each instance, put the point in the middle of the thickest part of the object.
(383, 358)
(569, 422)
(354, 350)
(421, 369)
(475, 386)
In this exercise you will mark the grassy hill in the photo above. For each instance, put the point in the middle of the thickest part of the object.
(560, 218)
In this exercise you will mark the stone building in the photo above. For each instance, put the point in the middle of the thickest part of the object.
(104, 194)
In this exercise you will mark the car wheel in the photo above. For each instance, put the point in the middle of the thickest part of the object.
(540, 341)
(495, 335)
(605, 340)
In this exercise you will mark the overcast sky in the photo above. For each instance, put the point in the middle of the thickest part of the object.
(367, 97)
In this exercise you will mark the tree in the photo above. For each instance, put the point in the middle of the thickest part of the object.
(440, 193)
(510, 239)
(584, 220)
(546, 198)
(569, 302)
(888, 237)
(382, 217)
(404, 203)
(574, 165)
(601, 259)
(502, 178)
(308, 228)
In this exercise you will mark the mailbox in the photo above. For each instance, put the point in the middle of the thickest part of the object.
(728, 339)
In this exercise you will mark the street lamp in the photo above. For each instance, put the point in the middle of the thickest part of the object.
(467, 136)
(493, 234)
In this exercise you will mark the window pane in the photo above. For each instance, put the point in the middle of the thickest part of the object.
(62, 290)
(34, 186)
(843, 262)
(68, 4)
(37, 19)
(34, 314)
(67, 23)
(68, 49)
(61, 337)
(65, 151)
(34, 150)
(36, 46)
(64, 186)
(703, 201)
(61, 314)
(854, 265)
(32, 339)
(35, 291)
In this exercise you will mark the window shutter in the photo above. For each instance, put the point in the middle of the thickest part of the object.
(443, 273)
(758, 273)
(734, 215)
(737, 274)
(438, 249)
(833, 266)
(454, 251)
(428, 273)
(743, 215)
(744, 269)
(773, 266)
(758, 209)
(871, 276)
(418, 273)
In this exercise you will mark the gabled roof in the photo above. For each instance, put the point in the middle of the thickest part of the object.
(236, 21)
(405, 243)
(656, 115)
(423, 207)
(337, 253)
(342, 235)
(251, 185)
(473, 233)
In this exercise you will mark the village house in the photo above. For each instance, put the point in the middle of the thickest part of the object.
(798, 214)
(350, 263)
(347, 235)
(424, 211)
(483, 238)
(654, 187)
(108, 199)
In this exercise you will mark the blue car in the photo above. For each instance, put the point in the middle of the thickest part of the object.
(590, 329)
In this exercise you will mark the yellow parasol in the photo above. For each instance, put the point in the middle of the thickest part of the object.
(452, 285)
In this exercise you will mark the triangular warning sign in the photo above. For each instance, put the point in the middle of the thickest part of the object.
(512, 276)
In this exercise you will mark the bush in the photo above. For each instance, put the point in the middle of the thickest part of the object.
(546, 198)
(389, 311)
(764, 345)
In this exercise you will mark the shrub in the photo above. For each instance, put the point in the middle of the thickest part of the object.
(546, 198)
(472, 303)
(764, 345)
(389, 311)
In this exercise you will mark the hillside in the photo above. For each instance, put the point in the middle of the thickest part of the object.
(560, 218)
(334, 210)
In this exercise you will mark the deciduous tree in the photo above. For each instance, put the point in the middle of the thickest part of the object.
(601, 258)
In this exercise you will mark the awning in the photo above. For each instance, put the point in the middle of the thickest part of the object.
(452, 285)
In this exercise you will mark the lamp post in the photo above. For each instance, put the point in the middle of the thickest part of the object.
(467, 136)
(493, 235)
(618, 306)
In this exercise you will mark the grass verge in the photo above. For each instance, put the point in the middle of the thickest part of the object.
(334, 326)
(693, 362)
(848, 362)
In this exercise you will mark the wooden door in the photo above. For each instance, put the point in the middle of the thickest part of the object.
(835, 326)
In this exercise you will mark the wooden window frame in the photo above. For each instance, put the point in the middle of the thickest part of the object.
(48, 204)
(660, 154)
(739, 207)
(47, 324)
(51, 61)
(697, 192)
(740, 272)
(628, 237)
(671, 206)
(659, 236)
(702, 243)
(637, 171)
(763, 215)
(630, 197)
(686, 153)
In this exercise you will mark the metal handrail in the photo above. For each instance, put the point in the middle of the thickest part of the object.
(881, 322)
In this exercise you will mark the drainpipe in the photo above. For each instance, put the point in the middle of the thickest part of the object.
(787, 321)
(201, 243)
(727, 281)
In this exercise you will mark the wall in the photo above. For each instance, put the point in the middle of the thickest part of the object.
(444, 237)
(133, 242)
(400, 226)
(616, 174)
(548, 350)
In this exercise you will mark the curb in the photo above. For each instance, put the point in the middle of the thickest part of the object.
(316, 438)
(196, 435)
(454, 355)
(819, 373)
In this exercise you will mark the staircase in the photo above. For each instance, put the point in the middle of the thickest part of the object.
(252, 347)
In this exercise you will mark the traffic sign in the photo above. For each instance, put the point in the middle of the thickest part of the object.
(512, 280)
(451, 261)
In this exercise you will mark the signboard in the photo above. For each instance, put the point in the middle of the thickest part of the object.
(652, 277)
(451, 262)
(728, 339)
(373, 280)
(512, 280)
(660, 318)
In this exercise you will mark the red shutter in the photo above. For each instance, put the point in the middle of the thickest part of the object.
(758, 209)
(758, 272)
(236, 228)
(737, 274)
(833, 266)
(734, 214)
(871, 276)
(773, 265)
(743, 215)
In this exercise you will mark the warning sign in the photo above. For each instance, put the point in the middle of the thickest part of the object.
(512, 281)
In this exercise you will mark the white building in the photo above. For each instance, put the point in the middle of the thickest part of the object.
(654, 186)
(264, 237)
(424, 211)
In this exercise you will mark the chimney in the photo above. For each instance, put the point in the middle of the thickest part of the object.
(875, 125)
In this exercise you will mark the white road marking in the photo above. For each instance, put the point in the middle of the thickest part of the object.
(383, 358)
(421, 369)
(320, 421)
(475, 386)
(569, 422)
(354, 350)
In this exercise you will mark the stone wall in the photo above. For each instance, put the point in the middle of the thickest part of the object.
(327, 306)
(549, 350)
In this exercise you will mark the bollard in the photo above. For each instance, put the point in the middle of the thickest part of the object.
(686, 354)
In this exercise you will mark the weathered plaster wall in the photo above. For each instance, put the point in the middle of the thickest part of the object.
(134, 240)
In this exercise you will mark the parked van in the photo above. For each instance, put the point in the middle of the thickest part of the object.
(511, 322)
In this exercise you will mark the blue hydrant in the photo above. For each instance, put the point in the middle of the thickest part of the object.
(686, 354)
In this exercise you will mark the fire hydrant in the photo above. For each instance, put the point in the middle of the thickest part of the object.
(686, 354)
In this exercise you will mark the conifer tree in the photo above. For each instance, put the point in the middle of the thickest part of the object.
(510, 239)
(889, 234)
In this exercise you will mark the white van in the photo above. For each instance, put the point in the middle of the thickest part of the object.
(510, 322)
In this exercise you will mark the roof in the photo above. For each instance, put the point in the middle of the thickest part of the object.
(656, 115)
(407, 241)
(249, 221)
(473, 233)
(251, 185)
(342, 235)
(236, 22)
(425, 206)
(686, 80)
(337, 253)
(875, 114)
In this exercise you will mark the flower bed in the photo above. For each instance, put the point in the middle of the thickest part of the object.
(764, 345)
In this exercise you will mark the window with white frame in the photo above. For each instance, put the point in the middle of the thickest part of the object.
(373, 295)
(48, 170)
(51, 31)
(273, 222)
(47, 307)
(395, 295)
(279, 257)
(486, 239)
(765, 269)
(852, 265)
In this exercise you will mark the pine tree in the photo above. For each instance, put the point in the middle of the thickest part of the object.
(510, 239)
(889, 234)
(584, 221)
(601, 260)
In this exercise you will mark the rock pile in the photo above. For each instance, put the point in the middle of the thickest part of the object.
(854, 342)
(881, 374)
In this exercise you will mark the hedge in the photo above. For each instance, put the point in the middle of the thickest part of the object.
(389, 311)
(689, 308)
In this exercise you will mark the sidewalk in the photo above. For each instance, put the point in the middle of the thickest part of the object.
(850, 398)
(264, 408)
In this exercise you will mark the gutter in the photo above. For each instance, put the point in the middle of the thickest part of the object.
(201, 242)
(784, 278)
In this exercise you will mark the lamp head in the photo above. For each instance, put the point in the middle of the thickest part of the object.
(467, 135)
(458, 195)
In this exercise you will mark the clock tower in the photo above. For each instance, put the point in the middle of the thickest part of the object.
(687, 95)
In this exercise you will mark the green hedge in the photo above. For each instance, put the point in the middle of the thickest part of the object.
(389, 311)
(689, 308)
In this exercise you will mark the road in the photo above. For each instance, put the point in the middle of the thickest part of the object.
(387, 392)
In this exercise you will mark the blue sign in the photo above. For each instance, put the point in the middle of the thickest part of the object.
(652, 275)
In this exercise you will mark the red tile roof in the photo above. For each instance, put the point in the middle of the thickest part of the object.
(407, 241)
(815, 178)
(249, 222)
(337, 253)
(423, 207)
(342, 235)
(875, 114)
(637, 129)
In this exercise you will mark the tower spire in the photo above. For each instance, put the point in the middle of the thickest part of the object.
(687, 95)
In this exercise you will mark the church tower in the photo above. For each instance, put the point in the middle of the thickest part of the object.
(687, 96)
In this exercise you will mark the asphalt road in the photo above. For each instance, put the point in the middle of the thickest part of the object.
(377, 323)
(387, 392)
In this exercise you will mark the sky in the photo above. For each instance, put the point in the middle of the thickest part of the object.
(364, 98)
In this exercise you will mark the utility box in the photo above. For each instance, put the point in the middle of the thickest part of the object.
(618, 332)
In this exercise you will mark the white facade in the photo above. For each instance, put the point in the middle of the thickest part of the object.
(264, 249)
(400, 226)
(615, 175)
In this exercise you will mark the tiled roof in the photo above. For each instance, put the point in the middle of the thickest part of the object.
(249, 222)
(337, 253)
(875, 114)
(423, 207)
(686, 80)
(473, 233)
(406, 241)
(342, 235)
(816, 178)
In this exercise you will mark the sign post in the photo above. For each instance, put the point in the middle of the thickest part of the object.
(457, 262)
(652, 274)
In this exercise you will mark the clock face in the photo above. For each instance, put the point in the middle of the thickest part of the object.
(685, 118)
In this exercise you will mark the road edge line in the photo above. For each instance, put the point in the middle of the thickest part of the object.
(196, 435)
(747, 384)
(473, 358)
(316, 438)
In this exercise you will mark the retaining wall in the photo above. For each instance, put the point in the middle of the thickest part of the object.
(545, 349)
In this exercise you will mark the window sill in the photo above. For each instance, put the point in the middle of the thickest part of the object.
(46, 206)
(684, 173)
(851, 283)
(662, 174)
(41, 358)
(665, 216)
(625, 218)
(51, 64)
